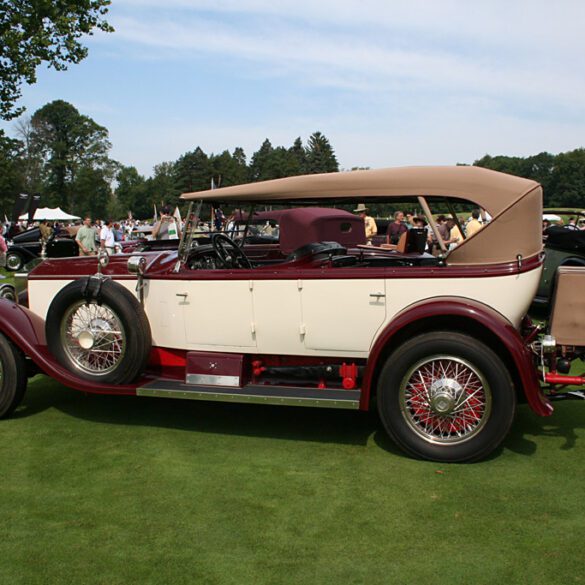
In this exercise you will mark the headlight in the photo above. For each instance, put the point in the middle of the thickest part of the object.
(136, 265)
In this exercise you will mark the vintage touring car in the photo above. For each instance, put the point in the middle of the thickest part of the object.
(440, 343)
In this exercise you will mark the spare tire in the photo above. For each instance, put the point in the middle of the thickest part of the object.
(97, 329)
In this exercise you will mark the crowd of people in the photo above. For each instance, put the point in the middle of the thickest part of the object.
(448, 229)
(94, 235)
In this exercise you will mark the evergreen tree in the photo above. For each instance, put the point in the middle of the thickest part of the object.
(282, 163)
(297, 150)
(131, 192)
(239, 156)
(259, 165)
(227, 170)
(193, 172)
(160, 188)
(320, 155)
(241, 169)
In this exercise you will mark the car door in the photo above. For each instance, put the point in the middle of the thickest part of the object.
(217, 312)
(342, 315)
(278, 320)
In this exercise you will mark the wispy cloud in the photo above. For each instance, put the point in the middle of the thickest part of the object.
(389, 82)
(374, 46)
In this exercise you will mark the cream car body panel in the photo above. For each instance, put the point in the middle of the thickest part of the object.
(297, 317)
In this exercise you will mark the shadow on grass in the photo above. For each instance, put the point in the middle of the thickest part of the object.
(289, 423)
(569, 416)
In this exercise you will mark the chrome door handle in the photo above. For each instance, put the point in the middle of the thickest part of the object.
(378, 295)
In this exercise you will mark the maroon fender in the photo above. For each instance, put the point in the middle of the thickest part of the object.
(27, 331)
(484, 316)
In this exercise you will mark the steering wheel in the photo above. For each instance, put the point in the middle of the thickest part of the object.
(228, 252)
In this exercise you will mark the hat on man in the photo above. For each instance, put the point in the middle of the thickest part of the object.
(361, 208)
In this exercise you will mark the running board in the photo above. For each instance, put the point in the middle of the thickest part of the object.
(258, 394)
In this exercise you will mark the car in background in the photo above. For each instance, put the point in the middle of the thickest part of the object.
(26, 246)
(563, 246)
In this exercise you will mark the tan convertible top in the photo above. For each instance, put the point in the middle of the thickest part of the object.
(514, 203)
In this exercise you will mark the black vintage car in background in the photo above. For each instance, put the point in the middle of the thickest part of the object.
(563, 246)
(26, 246)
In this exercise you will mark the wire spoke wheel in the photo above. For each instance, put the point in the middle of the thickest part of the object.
(93, 337)
(446, 396)
(97, 329)
(445, 399)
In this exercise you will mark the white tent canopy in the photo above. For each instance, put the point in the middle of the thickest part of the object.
(551, 217)
(49, 214)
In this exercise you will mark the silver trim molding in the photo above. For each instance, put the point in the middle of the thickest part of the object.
(213, 380)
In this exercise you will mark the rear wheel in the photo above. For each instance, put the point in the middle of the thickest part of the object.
(12, 377)
(446, 397)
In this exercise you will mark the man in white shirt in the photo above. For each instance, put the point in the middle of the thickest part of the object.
(107, 240)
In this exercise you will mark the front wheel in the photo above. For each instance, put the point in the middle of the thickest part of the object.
(14, 261)
(12, 377)
(446, 397)
(8, 292)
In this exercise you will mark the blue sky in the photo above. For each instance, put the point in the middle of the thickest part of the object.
(389, 83)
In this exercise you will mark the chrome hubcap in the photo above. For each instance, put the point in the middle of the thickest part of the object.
(13, 262)
(445, 399)
(93, 337)
(86, 339)
(444, 394)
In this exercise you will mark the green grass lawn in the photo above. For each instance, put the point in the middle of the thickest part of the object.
(8, 276)
(99, 489)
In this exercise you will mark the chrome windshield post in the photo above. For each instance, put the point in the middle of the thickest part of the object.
(187, 234)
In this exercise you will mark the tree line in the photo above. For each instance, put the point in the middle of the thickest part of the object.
(562, 176)
(65, 157)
